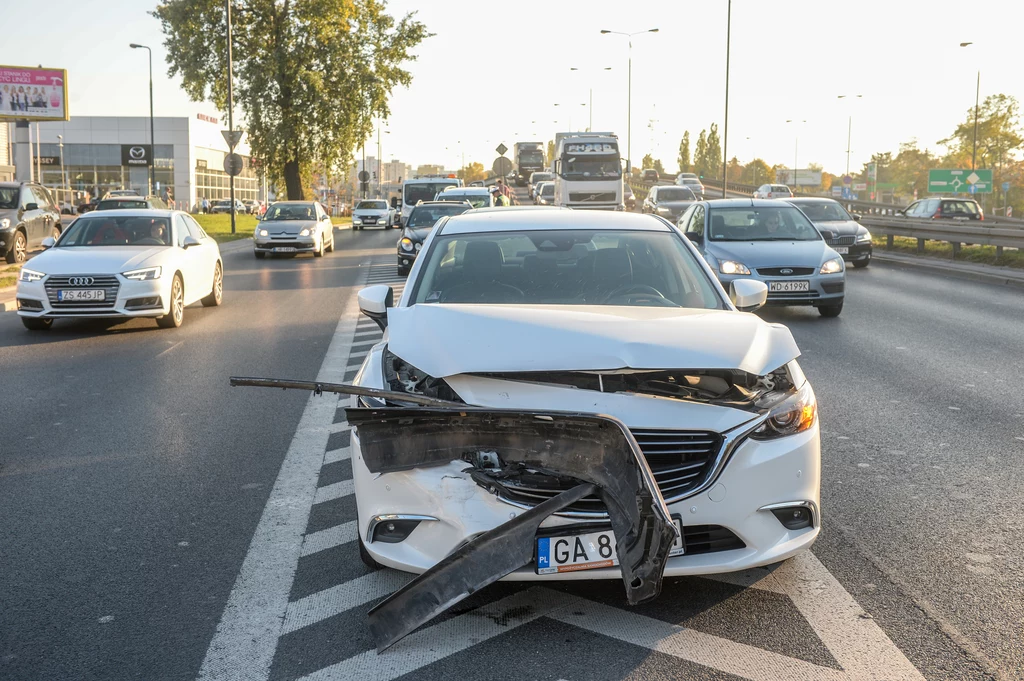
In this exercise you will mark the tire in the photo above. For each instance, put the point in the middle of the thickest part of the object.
(176, 315)
(259, 255)
(365, 556)
(37, 323)
(216, 296)
(830, 310)
(19, 249)
(862, 263)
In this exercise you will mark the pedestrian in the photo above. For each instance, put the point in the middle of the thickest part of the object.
(206, 205)
(499, 198)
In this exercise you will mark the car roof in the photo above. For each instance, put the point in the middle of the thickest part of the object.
(529, 218)
(743, 203)
(465, 190)
(307, 201)
(811, 199)
(132, 212)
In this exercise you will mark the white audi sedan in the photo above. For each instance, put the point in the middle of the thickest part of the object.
(122, 263)
(587, 373)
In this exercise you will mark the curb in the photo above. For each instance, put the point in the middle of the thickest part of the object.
(8, 306)
(236, 245)
(940, 267)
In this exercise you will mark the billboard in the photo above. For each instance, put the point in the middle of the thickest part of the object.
(33, 94)
(804, 177)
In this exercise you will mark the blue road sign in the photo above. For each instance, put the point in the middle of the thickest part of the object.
(1006, 186)
(972, 189)
(847, 179)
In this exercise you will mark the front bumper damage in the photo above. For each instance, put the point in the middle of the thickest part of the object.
(597, 451)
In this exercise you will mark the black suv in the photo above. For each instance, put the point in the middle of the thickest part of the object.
(27, 216)
(955, 209)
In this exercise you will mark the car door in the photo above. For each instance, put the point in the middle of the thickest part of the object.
(31, 216)
(651, 202)
(189, 261)
(206, 254)
(49, 214)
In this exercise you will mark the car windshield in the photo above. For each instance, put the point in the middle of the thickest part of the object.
(531, 156)
(424, 191)
(541, 177)
(476, 200)
(783, 223)
(547, 190)
(427, 216)
(372, 205)
(117, 231)
(290, 211)
(9, 197)
(591, 167)
(675, 194)
(111, 205)
(824, 211)
(565, 267)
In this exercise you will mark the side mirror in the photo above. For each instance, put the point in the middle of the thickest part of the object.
(48, 242)
(189, 242)
(695, 238)
(259, 217)
(748, 294)
(374, 302)
(855, 216)
(31, 206)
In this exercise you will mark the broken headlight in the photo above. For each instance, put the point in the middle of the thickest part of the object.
(794, 414)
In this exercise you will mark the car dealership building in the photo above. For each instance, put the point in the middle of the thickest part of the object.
(102, 153)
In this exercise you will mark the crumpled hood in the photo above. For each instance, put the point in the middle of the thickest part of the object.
(444, 340)
(771, 253)
(96, 259)
(291, 227)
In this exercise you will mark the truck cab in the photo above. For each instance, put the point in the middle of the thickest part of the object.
(588, 171)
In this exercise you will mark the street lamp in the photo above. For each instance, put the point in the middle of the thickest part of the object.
(569, 122)
(977, 92)
(152, 141)
(63, 177)
(590, 107)
(629, 90)
(796, 152)
(849, 129)
(725, 128)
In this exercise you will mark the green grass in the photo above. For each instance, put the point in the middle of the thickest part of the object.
(985, 255)
(219, 226)
(9, 275)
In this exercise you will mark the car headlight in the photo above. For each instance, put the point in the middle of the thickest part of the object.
(5, 223)
(794, 414)
(264, 232)
(406, 244)
(145, 274)
(832, 266)
(418, 246)
(29, 276)
(304, 232)
(864, 238)
(732, 267)
(381, 221)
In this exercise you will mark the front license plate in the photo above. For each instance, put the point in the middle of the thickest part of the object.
(81, 295)
(841, 250)
(284, 249)
(789, 286)
(575, 552)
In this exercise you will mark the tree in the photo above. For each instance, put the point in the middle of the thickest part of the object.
(310, 75)
(647, 162)
(658, 166)
(472, 173)
(684, 153)
(700, 157)
(909, 170)
(999, 133)
(757, 172)
(713, 159)
(735, 170)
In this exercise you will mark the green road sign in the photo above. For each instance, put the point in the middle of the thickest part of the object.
(959, 181)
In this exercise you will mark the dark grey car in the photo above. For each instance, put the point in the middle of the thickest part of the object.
(668, 201)
(27, 216)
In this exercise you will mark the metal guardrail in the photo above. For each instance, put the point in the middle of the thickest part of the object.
(955, 232)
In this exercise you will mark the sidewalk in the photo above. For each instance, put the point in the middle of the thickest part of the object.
(986, 274)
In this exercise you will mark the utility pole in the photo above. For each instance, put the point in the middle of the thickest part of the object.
(725, 130)
(231, 106)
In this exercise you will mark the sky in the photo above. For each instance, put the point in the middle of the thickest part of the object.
(789, 62)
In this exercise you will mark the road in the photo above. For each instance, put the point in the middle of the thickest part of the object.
(158, 524)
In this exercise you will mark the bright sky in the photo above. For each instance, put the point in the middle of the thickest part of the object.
(789, 61)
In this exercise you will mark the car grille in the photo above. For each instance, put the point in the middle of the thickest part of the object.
(709, 539)
(591, 196)
(680, 460)
(108, 283)
(777, 271)
(836, 287)
(842, 241)
(277, 243)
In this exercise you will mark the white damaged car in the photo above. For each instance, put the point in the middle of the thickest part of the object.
(573, 395)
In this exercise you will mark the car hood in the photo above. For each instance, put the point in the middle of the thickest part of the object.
(367, 212)
(418, 234)
(771, 253)
(839, 227)
(10, 213)
(444, 340)
(287, 226)
(97, 259)
(676, 206)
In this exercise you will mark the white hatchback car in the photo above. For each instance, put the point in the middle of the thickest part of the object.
(773, 191)
(122, 263)
(575, 396)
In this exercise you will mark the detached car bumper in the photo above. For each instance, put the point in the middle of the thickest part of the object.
(128, 299)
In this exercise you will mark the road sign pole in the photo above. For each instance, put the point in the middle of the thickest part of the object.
(231, 106)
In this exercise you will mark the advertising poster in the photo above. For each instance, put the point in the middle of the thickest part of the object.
(33, 94)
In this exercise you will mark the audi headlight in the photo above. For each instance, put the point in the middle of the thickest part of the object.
(304, 232)
(732, 267)
(794, 414)
(29, 276)
(406, 244)
(832, 266)
(145, 274)
(5, 223)
(264, 232)
(864, 237)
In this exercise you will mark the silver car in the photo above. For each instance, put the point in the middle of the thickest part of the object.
(772, 242)
(292, 227)
(372, 212)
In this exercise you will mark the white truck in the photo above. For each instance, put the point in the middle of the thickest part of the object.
(588, 171)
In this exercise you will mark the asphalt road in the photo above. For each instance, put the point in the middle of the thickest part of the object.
(133, 479)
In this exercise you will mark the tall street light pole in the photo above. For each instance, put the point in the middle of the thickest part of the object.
(796, 153)
(629, 90)
(152, 139)
(977, 93)
(725, 129)
(590, 106)
(231, 109)
(849, 130)
(63, 177)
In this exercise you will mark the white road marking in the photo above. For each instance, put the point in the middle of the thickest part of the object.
(338, 427)
(246, 637)
(329, 538)
(342, 598)
(335, 491)
(173, 347)
(339, 454)
(357, 355)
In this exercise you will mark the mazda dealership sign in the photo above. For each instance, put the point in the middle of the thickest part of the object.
(136, 155)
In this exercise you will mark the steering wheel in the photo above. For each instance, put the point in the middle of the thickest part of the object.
(627, 289)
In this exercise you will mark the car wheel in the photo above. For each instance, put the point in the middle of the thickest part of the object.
(831, 310)
(176, 314)
(365, 556)
(37, 323)
(862, 263)
(319, 253)
(216, 296)
(19, 249)
(259, 255)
